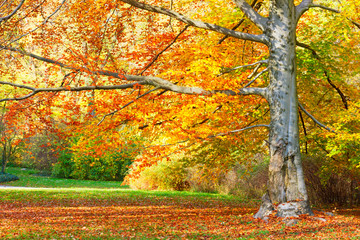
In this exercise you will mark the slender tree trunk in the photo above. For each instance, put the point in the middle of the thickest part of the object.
(4, 160)
(286, 178)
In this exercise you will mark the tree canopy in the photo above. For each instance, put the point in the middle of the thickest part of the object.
(186, 74)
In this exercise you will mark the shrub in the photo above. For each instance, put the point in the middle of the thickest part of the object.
(166, 175)
(238, 180)
(330, 183)
(108, 167)
(202, 178)
(8, 177)
(64, 166)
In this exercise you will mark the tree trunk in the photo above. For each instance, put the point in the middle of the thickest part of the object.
(286, 178)
(4, 160)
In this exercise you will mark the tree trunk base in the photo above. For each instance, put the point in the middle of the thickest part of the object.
(266, 207)
(283, 210)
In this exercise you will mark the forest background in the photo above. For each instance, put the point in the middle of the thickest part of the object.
(57, 116)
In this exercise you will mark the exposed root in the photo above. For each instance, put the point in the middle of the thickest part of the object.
(284, 210)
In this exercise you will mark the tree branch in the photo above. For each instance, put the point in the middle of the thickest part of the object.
(141, 80)
(256, 77)
(44, 22)
(314, 53)
(302, 8)
(239, 130)
(13, 12)
(167, 47)
(251, 14)
(245, 91)
(63, 89)
(311, 5)
(343, 98)
(324, 7)
(213, 136)
(254, 71)
(199, 24)
(305, 133)
(209, 137)
(243, 66)
(314, 119)
(355, 23)
(129, 103)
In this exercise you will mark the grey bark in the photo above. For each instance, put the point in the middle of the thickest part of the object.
(286, 178)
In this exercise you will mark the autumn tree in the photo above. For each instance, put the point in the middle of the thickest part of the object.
(116, 45)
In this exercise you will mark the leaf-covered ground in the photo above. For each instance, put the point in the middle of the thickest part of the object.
(125, 214)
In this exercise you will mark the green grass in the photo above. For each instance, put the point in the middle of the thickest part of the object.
(58, 188)
(28, 179)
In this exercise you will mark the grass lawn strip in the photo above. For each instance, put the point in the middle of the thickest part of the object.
(107, 210)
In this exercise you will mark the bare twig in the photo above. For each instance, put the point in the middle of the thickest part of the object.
(167, 47)
(254, 71)
(212, 136)
(256, 8)
(142, 95)
(256, 77)
(44, 22)
(243, 66)
(324, 7)
(13, 12)
(239, 130)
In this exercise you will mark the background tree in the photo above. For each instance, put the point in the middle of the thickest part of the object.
(108, 45)
(10, 139)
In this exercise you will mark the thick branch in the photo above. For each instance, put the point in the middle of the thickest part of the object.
(13, 12)
(245, 91)
(199, 24)
(314, 119)
(141, 80)
(63, 89)
(254, 72)
(302, 8)
(251, 14)
(256, 8)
